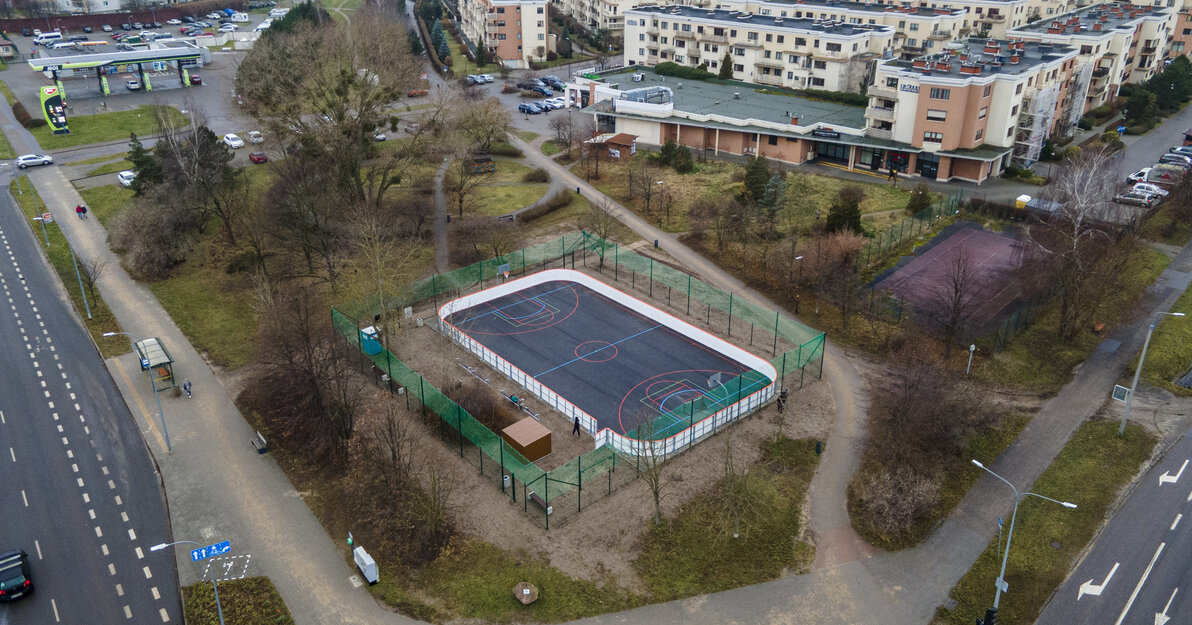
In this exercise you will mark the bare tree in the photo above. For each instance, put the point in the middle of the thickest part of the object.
(382, 255)
(465, 179)
(739, 490)
(482, 122)
(599, 222)
(651, 461)
(838, 276)
(564, 128)
(93, 268)
(952, 301)
(396, 441)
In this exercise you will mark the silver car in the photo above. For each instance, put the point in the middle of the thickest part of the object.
(33, 160)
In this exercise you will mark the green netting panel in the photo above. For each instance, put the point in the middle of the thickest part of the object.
(688, 415)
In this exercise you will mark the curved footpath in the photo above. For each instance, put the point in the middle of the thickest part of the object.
(219, 488)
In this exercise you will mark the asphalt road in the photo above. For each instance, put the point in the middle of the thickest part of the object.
(80, 492)
(1138, 572)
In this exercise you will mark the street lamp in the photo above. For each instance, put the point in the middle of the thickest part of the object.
(1000, 584)
(800, 261)
(160, 414)
(218, 607)
(1138, 369)
(972, 348)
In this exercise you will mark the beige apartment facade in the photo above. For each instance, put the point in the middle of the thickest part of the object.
(515, 31)
(767, 50)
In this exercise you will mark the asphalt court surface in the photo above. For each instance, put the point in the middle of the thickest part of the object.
(617, 365)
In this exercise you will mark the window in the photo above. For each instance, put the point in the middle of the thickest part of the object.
(663, 40)
(767, 54)
(940, 94)
(739, 51)
(988, 89)
(790, 75)
(790, 58)
(540, 23)
(751, 36)
(714, 64)
(500, 9)
(800, 41)
(731, 33)
(892, 82)
(1009, 131)
(983, 112)
(769, 37)
(912, 43)
(914, 27)
(780, 38)
(664, 25)
(933, 137)
(686, 28)
(679, 59)
(640, 51)
(540, 10)
(901, 24)
(641, 36)
(1018, 89)
(772, 139)
(936, 115)
(541, 36)
(820, 65)
(817, 82)
(501, 36)
(1014, 111)
(980, 133)
(738, 67)
(832, 47)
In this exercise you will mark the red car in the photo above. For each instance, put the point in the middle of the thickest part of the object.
(195, 79)
(256, 158)
(416, 93)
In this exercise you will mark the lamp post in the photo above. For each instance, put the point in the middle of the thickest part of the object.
(160, 414)
(799, 259)
(1000, 584)
(1138, 369)
(215, 589)
(972, 348)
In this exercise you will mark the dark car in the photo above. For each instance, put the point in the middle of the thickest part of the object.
(27, 32)
(157, 24)
(77, 38)
(257, 158)
(543, 90)
(88, 29)
(529, 108)
(527, 85)
(15, 579)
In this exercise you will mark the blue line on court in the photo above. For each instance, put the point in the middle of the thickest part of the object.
(598, 351)
(524, 300)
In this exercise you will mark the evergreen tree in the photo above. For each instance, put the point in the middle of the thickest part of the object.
(436, 33)
(415, 43)
(726, 68)
(144, 164)
(431, 11)
(845, 212)
(682, 161)
(1142, 109)
(774, 191)
(757, 174)
(481, 56)
(920, 199)
(666, 155)
(443, 50)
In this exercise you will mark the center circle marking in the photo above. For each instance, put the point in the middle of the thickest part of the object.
(595, 351)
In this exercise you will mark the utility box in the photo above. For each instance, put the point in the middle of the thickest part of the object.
(364, 562)
(1021, 201)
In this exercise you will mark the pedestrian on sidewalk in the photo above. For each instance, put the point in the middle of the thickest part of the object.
(186, 387)
(575, 428)
(893, 176)
(81, 211)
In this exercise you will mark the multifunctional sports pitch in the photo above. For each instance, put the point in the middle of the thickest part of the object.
(623, 366)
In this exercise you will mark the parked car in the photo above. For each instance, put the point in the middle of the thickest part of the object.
(213, 16)
(1153, 189)
(256, 158)
(1144, 200)
(126, 177)
(1138, 176)
(255, 136)
(1177, 160)
(157, 24)
(486, 78)
(26, 32)
(133, 84)
(558, 103)
(529, 85)
(126, 26)
(543, 91)
(107, 28)
(16, 580)
(529, 108)
(174, 22)
(233, 141)
(33, 160)
(417, 93)
(229, 28)
(195, 79)
(137, 25)
(188, 19)
(88, 29)
(472, 79)
(1186, 150)
(77, 38)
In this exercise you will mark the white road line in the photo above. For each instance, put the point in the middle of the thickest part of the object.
(37, 544)
(127, 612)
(1176, 521)
(140, 554)
(132, 535)
(98, 532)
(13, 454)
(165, 617)
(156, 594)
(148, 573)
(24, 498)
(1141, 581)
(2, 421)
(54, 605)
(112, 568)
(124, 516)
(119, 590)
(86, 498)
(104, 549)
(91, 513)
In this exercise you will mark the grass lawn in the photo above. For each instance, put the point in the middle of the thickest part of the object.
(1170, 353)
(110, 168)
(1039, 359)
(248, 601)
(1091, 469)
(527, 135)
(550, 148)
(460, 63)
(695, 552)
(94, 160)
(1165, 227)
(716, 178)
(509, 171)
(101, 128)
(9, 96)
(504, 199)
(102, 320)
(475, 581)
(105, 202)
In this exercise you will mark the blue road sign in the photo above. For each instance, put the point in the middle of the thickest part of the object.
(203, 553)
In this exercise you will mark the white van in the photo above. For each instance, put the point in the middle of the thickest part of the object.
(239, 17)
(61, 45)
(46, 39)
(278, 12)
(263, 26)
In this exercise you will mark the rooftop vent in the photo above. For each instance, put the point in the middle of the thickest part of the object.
(736, 95)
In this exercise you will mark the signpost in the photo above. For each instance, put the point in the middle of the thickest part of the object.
(209, 551)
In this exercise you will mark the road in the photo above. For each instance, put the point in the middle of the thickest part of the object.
(81, 494)
(1138, 572)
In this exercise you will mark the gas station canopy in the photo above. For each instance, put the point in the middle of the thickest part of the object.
(81, 61)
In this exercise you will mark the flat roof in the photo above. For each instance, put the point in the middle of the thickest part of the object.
(825, 5)
(834, 27)
(95, 59)
(1082, 22)
(714, 98)
(982, 63)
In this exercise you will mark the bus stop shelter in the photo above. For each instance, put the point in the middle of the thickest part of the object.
(157, 361)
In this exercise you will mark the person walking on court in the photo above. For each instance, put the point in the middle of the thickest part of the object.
(186, 387)
(575, 428)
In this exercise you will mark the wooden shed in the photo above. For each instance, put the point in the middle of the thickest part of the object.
(529, 437)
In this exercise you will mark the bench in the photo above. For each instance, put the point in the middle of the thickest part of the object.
(258, 443)
(536, 498)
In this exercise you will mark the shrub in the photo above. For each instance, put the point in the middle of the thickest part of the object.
(1138, 129)
(668, 68)
(24, 118)
(1110, 136)
(508, 88)
(484, 404)
(501, 148)
(536, 175)
(1085, 124)
(920, 198)
(559, 200)
(551, 56)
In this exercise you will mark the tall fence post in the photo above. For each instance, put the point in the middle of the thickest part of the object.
(730, 314)
(688, 295)
(422, 396)
(616, 262)
(459, 429)
(651, 277)
(579, 496)
(774, 350)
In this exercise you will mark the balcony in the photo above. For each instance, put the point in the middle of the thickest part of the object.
(763, 79)
(1096, 92)
(914, 49)
(710, 38)
(940, 35)
(882, 91)
(992, 17)
(1149, 49)
(880, 133)
(877, 112)
(770, 63)
(1101, 72)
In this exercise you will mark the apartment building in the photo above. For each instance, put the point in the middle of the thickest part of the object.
(767, 50)
(1181, 32)
(515, 31)
(1117, 43)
